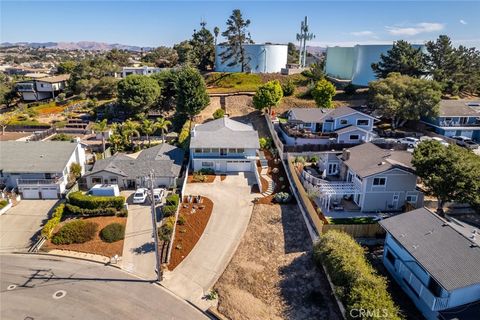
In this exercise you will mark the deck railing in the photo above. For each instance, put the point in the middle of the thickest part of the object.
(39, 181)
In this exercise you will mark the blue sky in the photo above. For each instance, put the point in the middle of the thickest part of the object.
(154, 23)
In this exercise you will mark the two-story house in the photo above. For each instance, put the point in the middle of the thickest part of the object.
(39, 169)
(436, 262)
(224, 145)
(457, 118)
(323, 126)
(374, 179)
(42, 88)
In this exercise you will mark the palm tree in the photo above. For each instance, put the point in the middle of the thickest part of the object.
(102, 127)
(148, 127)
(130, 129)
(163, 125)
(117, 141)
(216, 31)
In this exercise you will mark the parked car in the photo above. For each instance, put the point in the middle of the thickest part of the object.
(465, 142)
(140, 195)
(409, 141)
(438, 139)
(158, 194)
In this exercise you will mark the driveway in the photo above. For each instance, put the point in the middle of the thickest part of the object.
(29, 284)
(138, 255)
(20, 224)
(232, 208)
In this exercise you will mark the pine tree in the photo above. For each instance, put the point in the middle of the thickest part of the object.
(203, 48)
(237, 35)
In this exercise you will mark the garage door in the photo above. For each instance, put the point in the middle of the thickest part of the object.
(238, 165)
(49, 193)
(31, 193)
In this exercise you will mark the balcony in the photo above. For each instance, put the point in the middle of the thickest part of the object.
(453, 124)
(293, 130)
(38, 182)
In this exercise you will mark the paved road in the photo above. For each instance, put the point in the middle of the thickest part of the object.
(232, 208)
(93, 292)
(138, 255)
(19, 224)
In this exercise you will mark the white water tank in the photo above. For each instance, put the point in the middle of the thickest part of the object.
(264, 58)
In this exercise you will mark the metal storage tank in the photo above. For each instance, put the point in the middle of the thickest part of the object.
(264, 58)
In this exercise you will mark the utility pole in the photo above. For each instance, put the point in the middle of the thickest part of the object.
(302, 37)
(155, 233)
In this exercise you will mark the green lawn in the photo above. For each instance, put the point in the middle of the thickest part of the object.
(219, 82)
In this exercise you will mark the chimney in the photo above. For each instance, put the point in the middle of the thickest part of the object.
(346, 154)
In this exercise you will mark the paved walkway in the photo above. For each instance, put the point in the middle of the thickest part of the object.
(138, 255)
(232, 208)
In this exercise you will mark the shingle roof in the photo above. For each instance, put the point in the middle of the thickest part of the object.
(224, 133)
(447, 255)
(320, 114)
(348, 129)
(165, 161)
(35, 156)
(368, 159)
(459, 108)
(53, 79)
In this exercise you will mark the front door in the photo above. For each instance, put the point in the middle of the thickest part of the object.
(217, 166)
(332, 168)
(395, 201)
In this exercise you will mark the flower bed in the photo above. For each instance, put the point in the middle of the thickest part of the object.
(190, 227)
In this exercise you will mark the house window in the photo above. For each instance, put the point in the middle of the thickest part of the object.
(412, 199)
(207, 164)
(344, 121)
(390, 257)
(354, 137)
(113, 180)
(363, 122)
(223, 152)
(379, 181)
(240, 150)
(97, 180)
(198, 150)
(206, 150)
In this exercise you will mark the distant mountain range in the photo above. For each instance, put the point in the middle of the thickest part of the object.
(81, 45)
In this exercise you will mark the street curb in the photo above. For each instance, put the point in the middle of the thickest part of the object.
(70, 257)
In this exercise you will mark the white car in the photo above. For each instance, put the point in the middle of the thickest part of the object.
(140, 195)
(438, 139)
(409, 141)
(158, 194)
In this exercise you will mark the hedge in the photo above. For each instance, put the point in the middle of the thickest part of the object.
(53, 222)
(84, 201)
(113, 232)
(359, 286)
(169, 210)
(173, 199)
(166, 230)
(77, 231)
(184, 136)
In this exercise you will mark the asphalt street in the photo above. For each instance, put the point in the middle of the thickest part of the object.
(46, 287)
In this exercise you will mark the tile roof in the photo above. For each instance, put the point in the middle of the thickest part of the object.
(224, 133)
(368, 159)
(35, 156)
(449, 257)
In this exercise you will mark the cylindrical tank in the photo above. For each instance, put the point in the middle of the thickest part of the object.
(264, 58)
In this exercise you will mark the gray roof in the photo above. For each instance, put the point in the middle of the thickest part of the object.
(165, 160)
(368, 159)
(349, 129)
(321, 114)
(458, 108)
(447, 255)
(224, 133)
(35, 156)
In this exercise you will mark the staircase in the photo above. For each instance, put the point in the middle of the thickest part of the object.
(271, 184)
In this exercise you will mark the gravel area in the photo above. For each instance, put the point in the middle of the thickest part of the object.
(272, 274)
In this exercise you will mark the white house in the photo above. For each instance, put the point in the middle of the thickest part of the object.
(323, 126)
(145, 71)
(224, 145)
(42, 88)
(39, 169)
(436, 262)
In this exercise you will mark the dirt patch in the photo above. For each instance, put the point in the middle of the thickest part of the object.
(272, 274)
(209, 178)
(188, 234)
(8, 136)
(97, 245)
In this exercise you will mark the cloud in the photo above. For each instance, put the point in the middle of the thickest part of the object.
(418, 28)
(463, 21)
(362, 33)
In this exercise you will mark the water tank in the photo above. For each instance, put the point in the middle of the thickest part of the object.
(264, 58)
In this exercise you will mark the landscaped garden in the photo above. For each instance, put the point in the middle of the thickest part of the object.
(202, 175)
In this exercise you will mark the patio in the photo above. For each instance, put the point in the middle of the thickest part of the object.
(294, 130)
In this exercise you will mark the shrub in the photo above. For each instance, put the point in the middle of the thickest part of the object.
(300, 160)
(173, 199)
(122, 213)
(3, 203)
(77, 211)
(282, 197)
(166, 230)
(95, 202)
(113, 232)
(350, 89)
(206, 171)
(358, 284)
(323, 92)
(181, 220)
(313, 159)
(77, 231)
(219, 113)
(53, 222)
(184, 136)
(62, 137)
(199, 177)
(169, 210)
(265, 143)
(75, 170)
(288, 88)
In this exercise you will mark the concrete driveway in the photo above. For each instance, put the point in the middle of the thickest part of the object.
(232, 208)
(138, 255)
(20, 224)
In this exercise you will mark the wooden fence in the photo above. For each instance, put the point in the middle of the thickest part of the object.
(355, 230)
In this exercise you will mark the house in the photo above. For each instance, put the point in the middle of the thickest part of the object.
(323, 126)
(39, 169)
(436, 262)
(42, 88)
(374, 179)
(263, 58)
(164, 161)
(224, 145)
(457, 118)
(144, 70)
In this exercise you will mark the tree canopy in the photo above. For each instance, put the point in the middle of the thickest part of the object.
(162, 57)
(449, 173)
(401, 98)
(191, 92)
(203, 48)
(293, 53)
(138, 92)
(237, 35)
(402, 58)
(323, 93)
(268, 95)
